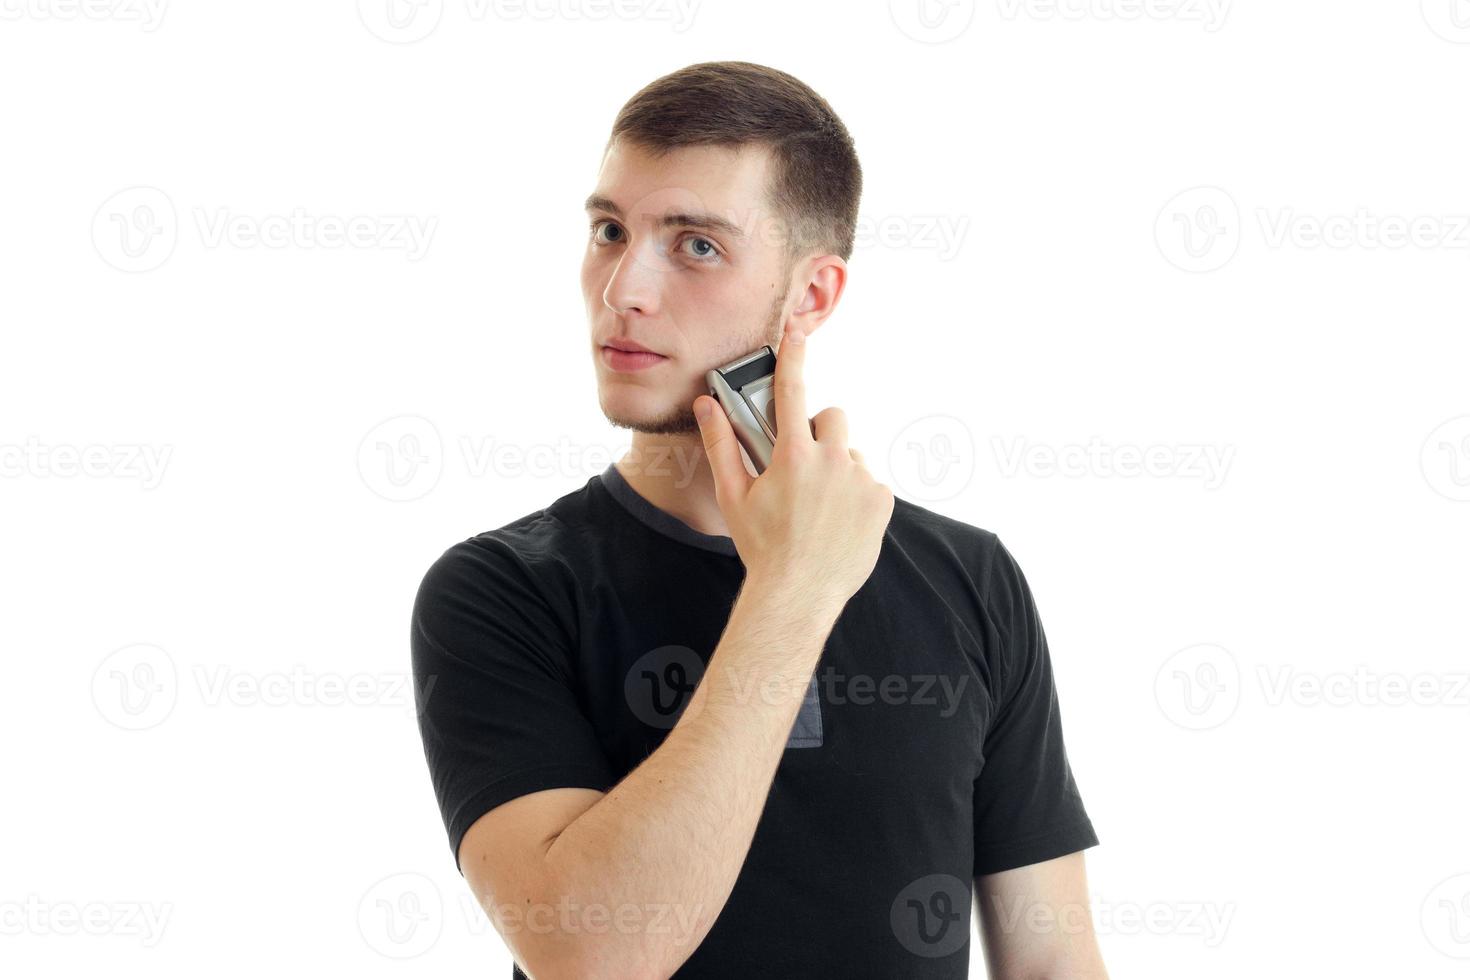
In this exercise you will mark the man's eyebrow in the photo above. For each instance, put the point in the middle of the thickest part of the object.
(683, 219)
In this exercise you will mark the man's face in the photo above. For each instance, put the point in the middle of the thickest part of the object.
(685, 258)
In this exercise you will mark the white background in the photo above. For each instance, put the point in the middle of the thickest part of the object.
(1228, 238)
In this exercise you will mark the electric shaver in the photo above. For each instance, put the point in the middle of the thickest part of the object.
(745, 390)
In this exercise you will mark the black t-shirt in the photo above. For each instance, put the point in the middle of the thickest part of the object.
(559, 650)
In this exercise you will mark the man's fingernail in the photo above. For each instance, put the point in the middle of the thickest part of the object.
(701, 409)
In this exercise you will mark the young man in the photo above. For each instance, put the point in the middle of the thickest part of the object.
(691, 722)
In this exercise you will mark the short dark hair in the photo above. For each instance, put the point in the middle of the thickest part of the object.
(817, 180)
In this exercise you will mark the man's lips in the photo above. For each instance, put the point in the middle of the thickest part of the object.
(620, 359)
(628, 345)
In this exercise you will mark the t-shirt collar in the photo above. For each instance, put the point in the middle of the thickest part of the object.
(662, 522)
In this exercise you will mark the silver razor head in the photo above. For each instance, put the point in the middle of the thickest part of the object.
(744, 389)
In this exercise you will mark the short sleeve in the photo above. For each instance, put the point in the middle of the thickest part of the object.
(1027, 806)
(494, 687)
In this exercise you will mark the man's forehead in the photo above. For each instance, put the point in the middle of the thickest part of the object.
(729, 182)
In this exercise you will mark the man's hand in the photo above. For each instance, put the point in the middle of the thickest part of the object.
(815, 518)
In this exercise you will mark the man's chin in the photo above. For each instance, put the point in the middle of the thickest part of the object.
(676, 421)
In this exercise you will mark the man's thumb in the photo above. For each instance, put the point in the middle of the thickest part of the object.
(731, 479)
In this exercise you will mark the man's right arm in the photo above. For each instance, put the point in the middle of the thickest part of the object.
(672, 836)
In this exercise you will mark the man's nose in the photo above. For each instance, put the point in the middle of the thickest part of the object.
(636, 280)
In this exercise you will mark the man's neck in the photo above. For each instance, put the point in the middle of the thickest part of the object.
(671, 472)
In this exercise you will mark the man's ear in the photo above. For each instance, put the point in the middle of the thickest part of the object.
(823, 278)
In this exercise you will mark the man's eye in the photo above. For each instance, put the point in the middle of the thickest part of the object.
(598, 225)
(704, 250)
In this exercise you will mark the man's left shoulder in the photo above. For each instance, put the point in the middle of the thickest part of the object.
(934, 542)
